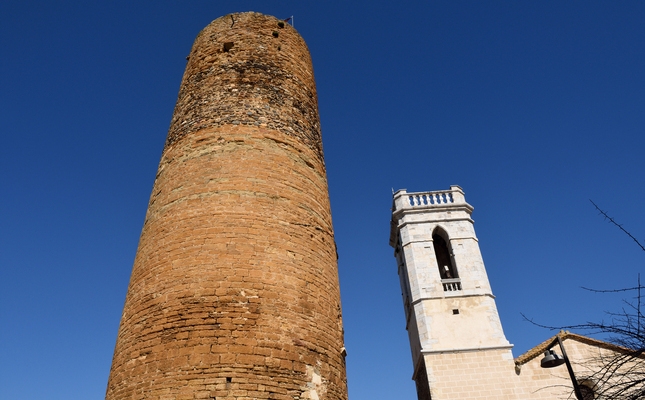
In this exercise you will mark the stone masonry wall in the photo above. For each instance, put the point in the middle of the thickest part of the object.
(476, 375)
(234, 291)
(257, 73)
(537, 383)
(493, 374)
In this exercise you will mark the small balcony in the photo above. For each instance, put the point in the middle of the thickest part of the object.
(451, 285)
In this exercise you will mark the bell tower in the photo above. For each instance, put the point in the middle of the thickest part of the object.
(459, 349)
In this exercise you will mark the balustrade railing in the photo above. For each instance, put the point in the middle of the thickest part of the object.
(451, 285)
(438, 198)
(430, 198)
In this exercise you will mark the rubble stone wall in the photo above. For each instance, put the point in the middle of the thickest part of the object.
(234, 291)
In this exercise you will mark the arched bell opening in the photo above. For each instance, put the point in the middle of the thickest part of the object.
(445, 261)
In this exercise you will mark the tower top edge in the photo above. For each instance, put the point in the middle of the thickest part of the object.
(249, 71)
(453, 188)
(452, 197)
(246, 14)
(245, 17)
(432, 202)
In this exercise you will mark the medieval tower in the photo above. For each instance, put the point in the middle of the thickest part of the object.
(459, 349)
(234, 290)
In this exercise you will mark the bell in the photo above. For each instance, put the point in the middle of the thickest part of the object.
(551, 359)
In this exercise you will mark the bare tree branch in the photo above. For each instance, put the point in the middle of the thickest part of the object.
(611, 290)
(619, 374)
(604, 214)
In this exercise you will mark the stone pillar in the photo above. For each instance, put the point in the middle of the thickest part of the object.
(234, 291)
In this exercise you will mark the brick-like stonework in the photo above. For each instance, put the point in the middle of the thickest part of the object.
(493, 375)
(245, 69)
(472, 375)
(234, 291)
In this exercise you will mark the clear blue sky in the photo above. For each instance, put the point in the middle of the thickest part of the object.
(533, 108)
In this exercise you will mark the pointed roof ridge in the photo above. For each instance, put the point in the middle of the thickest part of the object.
(564, 335)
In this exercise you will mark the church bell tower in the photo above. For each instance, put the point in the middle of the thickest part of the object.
(459, 349)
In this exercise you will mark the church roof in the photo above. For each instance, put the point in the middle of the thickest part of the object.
(564, 335)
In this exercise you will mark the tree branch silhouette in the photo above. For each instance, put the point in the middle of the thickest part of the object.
(619, 373)
(620, 226)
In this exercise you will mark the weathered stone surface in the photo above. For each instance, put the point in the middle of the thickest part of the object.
(239, 72)
(452, 320)
(234, 290)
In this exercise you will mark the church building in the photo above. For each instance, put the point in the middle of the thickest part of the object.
(459, 350)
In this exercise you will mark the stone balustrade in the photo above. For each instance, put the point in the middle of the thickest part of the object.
(451, 285)
(431, 198)
(440, 198)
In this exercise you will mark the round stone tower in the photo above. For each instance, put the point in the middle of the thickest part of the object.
(234, 291)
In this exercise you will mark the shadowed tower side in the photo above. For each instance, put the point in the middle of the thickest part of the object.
(234, 290)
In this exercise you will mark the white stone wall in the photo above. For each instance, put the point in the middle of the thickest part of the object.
(472, 375)
(493, 375)
(536, 383)
(477, 323)
(466, 354)
(447, 328)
